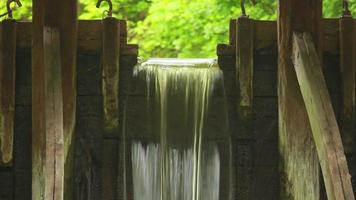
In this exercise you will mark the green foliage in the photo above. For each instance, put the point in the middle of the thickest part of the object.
(180, 28)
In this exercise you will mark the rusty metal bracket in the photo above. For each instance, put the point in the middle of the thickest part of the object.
(242, 5)
(8, 6)
(346, 11)
(109, 12)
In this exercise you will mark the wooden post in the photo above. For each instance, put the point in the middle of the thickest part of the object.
(299, 162)
(110, 61)
(7, 89)
(58, 16)
(322, 119)
(245, 65)
(244, 77)
(54, 145)
(347, 70)
(110, 64)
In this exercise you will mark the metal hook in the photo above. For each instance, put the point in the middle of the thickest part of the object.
(243, 10)
(346, 10)
(8, 6)
(110, 6)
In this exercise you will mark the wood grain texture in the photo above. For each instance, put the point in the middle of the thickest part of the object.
(322, 119)
(54, 147)
(347, 71)
(62, 16)
(245, 65)
(110, 60)
(298, 158)
(7, 89)
(244, 83)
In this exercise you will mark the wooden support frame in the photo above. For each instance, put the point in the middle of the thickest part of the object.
(322, 119)
(298, 157)
(348, 80)
(7, 89)
(54, 27)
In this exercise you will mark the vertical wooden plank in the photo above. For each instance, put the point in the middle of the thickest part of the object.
(61, 15)
(38, 115)
(244, 70)
(54, 153)
(110, 169)
(232, 29)
(68, 25)
(299, 165)
(347, 70)
(110, 64)
(322, 118)
(245, 66)
(7, 89)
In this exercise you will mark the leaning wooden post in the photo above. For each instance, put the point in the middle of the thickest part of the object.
(244, 77)
(322, 118)
(347, 71)
(299, 162)
(7, 89)
(54, 37)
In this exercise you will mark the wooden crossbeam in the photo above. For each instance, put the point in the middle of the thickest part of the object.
(7, 89)
(322, 119)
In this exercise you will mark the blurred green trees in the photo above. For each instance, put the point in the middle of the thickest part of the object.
(180, 28)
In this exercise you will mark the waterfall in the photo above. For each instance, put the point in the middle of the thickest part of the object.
(176, 160)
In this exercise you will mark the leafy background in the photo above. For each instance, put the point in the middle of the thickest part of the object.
(180, 28)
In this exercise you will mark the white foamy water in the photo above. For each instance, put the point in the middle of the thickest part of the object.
(181, 164)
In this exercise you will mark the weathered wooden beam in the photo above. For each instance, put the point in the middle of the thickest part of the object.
(244, 77)
(322, 118)
(110, 169)
(110, 59)
(7, 89)
(54, 145)
(298, 157)
(245, 65)
(60, 17)
(347, 70)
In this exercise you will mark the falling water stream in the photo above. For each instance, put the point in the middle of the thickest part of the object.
(179, 162)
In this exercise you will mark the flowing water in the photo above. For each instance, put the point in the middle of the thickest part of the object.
(176, 159)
